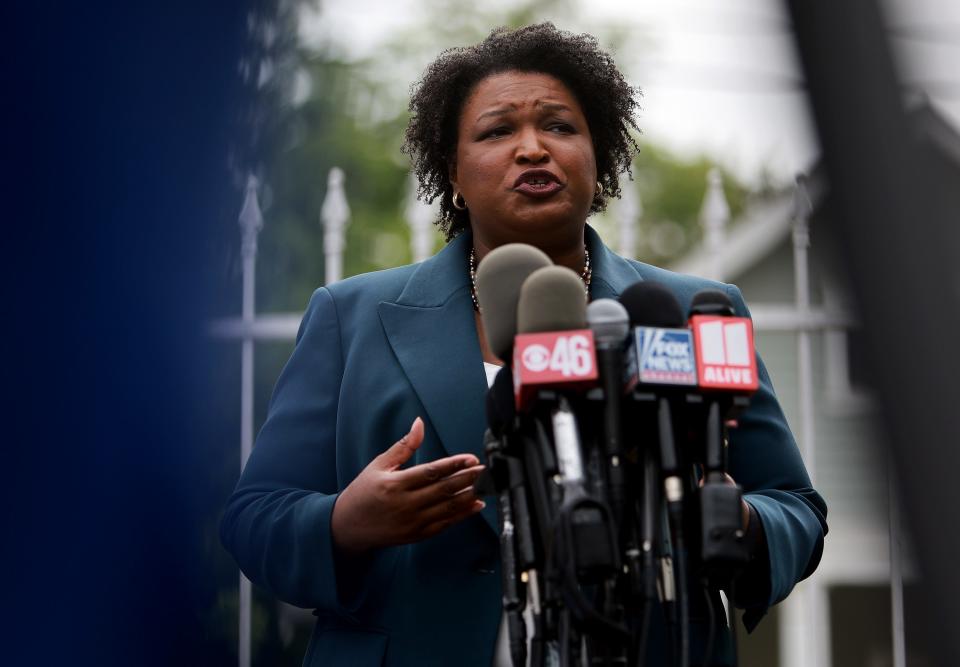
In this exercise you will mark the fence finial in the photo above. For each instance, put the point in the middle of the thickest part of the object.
(802, 210)
(420, 216)
(250, 219)
(628, 212)
(334, 216)
(714, 216)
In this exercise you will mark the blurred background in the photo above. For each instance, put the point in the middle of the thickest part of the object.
(208, 169)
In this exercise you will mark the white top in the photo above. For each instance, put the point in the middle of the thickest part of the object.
(491, 371)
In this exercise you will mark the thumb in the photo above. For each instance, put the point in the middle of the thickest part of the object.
(401, 451)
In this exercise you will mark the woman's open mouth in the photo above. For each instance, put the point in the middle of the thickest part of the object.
(537, 183)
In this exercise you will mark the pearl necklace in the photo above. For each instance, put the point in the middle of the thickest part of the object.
(586, 275)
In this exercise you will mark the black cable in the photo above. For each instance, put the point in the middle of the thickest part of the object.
(649, 549)
(680, 576)
(733, 622)
(673, 494)
(564, 638)
(538, 649)
(644, 634)
(563, 551)
(711, 629)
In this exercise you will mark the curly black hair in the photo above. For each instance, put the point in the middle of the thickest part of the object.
(437, 100)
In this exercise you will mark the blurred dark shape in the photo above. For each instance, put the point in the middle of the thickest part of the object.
(895, 205)
(117, 125)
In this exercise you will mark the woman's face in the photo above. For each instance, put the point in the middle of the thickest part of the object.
(524, 163)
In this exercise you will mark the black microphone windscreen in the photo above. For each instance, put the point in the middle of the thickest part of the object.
(500, 402)
(650, 304)
(499, 278)
(711, 302)
(552, 299)
(609, 321)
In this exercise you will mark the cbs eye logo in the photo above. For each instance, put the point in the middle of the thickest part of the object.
(536, 358)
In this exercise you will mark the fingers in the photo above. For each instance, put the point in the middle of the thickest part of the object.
(426, 474)
(401, 451)
(450, 511)
(446, 488)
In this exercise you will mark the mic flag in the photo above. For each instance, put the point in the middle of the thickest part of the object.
(551, 359)
(724, 353)
(662, 356)
(553, 348)
(661, 350)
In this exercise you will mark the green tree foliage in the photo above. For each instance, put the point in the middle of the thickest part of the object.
(672, 190)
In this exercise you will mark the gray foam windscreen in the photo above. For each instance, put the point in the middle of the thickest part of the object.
(500, 276)
(711, 302)
(609, 321)
(552, 299)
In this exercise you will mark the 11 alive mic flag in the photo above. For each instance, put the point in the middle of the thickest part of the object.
(724, 349)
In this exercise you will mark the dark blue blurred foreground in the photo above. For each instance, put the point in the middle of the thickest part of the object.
(117, 120)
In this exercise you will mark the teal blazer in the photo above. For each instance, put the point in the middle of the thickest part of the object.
(374, 352)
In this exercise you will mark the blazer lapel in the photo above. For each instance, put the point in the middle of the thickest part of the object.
(432, 332)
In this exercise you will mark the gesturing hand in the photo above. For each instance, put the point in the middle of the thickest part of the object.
(385, 506)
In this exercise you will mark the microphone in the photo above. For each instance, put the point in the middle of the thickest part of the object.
(724, 344)
(553, 349)
(501, 417)
(661, 352)
(727, 368)
(661, 357)
(610, 324)
(726, 364)
(499, 278)
(501, 480)
(554, 359)
(520, 538)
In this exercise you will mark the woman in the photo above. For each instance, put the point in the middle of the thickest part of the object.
(522, 136)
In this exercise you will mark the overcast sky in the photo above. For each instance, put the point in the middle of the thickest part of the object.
(718, 78)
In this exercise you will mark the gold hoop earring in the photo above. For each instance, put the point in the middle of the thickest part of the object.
(599, 192)
(453, 198)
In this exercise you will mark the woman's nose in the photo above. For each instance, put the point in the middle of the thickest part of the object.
(530, 150)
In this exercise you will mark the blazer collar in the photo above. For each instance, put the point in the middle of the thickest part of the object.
(612, 274)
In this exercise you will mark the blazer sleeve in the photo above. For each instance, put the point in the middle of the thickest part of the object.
(277, 522)
(765, 461)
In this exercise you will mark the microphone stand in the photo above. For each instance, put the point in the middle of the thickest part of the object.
(513, 588)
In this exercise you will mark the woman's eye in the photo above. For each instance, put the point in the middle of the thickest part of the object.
(495, 132)
(561, 128)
